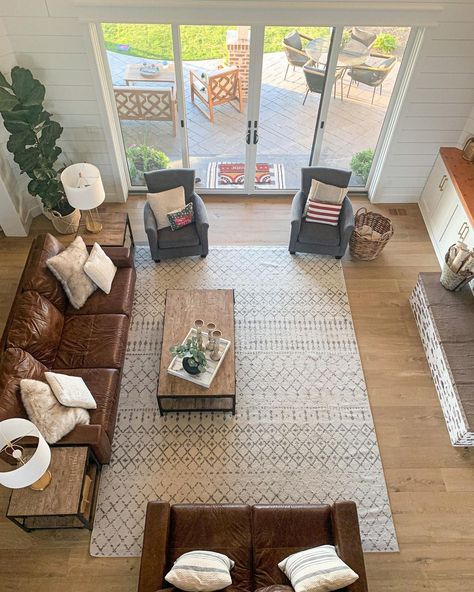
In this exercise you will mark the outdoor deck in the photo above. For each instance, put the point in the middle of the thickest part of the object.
(286, 126)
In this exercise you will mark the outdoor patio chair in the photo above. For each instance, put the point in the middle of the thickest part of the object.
(216, 88)
(315, 78)
(293, 47)
(150, 104)
(363, 36)
(187, 241)
(312, 237)
(372, 75)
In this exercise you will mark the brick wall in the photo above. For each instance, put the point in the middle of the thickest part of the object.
(239, 54)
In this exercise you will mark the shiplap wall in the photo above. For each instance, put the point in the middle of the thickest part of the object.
(468, 128)
(48, 37)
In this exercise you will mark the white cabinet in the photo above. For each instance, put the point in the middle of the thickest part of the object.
(443, 212)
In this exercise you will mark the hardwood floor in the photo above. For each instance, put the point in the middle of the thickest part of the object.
(430, 483)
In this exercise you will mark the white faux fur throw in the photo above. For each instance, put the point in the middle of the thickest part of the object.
(51, 418)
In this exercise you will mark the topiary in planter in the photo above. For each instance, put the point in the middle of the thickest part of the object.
(361, 163)
(142, 159)
(33, 136)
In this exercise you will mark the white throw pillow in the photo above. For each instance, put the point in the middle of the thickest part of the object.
(68, 268)
(165, 202)
(326, 193)
(100, 268)
(317, 570)
(52, 419)
(70, 391)
(201, 571)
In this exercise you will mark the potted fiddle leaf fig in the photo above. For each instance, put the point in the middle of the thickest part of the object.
(194, 360)
(33, 137)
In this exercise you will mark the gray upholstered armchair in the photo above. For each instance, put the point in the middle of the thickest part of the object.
(189, 240)
(311, 237)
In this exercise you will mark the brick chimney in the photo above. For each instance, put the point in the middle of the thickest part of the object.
(238, 48)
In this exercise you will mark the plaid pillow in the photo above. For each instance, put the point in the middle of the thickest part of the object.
(180, 218)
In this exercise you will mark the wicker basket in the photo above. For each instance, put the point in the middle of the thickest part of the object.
(451, 280)
(362, 247)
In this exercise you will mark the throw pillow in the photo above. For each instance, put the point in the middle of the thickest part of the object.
(181, 218)
(100, 268)
(52, 419)
(70, 391)
(68, 268)
(201, 571)
(317, 570)
(164, 202)
(326, 193)
(323, 213)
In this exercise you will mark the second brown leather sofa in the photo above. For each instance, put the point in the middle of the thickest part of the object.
(256, 537)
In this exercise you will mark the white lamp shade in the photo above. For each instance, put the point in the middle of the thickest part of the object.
(83, 186)
(36, 465)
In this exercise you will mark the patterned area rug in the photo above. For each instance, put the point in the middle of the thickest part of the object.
(267, 176)
(303, 430)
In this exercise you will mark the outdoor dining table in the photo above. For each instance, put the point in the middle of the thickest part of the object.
(165, 74)
(354, 54)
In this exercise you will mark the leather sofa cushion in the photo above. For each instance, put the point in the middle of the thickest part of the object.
(281, 531)
(92, 341)
(103, 383)
(37, 275)
(119, 301)
(313, 233)
(36, 327)
(16, 364)
(184, 237)
(214, 528)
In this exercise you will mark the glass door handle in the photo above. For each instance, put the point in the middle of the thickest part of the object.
(249, 132)
(255, 137)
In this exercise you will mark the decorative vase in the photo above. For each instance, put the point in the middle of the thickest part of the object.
(216, 354)
(210, 329)
(66, 224)
(198, 325)
(190, 369)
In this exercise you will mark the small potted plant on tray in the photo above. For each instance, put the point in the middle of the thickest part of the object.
(194, 360)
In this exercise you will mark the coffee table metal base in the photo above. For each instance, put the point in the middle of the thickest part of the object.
(224, 403)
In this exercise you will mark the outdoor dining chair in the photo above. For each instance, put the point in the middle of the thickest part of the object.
(293, 46)
(373, 76)
(315, 78)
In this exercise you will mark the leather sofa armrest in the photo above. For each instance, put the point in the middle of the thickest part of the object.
(346, 532)
(93, 436)
(121, 256)
(155, 543)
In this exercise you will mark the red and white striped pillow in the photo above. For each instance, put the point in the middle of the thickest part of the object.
(323, 213)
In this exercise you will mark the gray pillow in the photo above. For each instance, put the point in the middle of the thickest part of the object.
(68, 268)
(293, 39)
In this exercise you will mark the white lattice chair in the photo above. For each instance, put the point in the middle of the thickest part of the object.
(144, 103)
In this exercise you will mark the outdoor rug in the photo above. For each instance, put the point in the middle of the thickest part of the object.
(267, 176)
(303, 432)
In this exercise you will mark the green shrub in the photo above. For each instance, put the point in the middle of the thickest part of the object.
(385, 43)
(142, 159)
(361, 163)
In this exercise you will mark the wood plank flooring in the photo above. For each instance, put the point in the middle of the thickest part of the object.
(431, 484)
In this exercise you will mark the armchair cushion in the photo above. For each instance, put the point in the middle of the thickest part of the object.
(164, 202)
(183, 237)
(293, 40)
(322, 234)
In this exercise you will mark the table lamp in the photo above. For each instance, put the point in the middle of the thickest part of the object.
(32, 471)
(85, 191)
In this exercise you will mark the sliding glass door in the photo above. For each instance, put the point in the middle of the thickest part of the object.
(248, 107)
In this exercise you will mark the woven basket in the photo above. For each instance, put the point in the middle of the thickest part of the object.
(452, 280)
(360, 246)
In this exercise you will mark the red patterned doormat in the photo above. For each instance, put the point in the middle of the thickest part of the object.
(222, 175)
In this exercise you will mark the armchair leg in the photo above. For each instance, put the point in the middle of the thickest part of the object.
(338, 256)
(286, 72)
(349, 88)
(292, 252)
(373, 94)
(203, 256)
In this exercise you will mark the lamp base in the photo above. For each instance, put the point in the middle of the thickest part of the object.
(42, 482)
(93, 223)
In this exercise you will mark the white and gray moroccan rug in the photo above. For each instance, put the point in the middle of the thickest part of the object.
(303, 431)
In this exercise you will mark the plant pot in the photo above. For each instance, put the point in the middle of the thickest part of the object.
(190, 369)
(66, 224)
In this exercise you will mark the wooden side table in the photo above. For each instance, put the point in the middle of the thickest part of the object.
(116, 231)
(68, 501)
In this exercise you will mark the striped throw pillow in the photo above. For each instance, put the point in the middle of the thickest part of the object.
(201, 571)
(323, 213)
(317, 570)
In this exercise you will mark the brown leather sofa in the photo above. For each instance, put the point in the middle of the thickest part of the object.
(257, 538)
(44, 332)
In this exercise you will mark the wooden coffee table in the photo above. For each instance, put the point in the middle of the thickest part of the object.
(183, 307)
